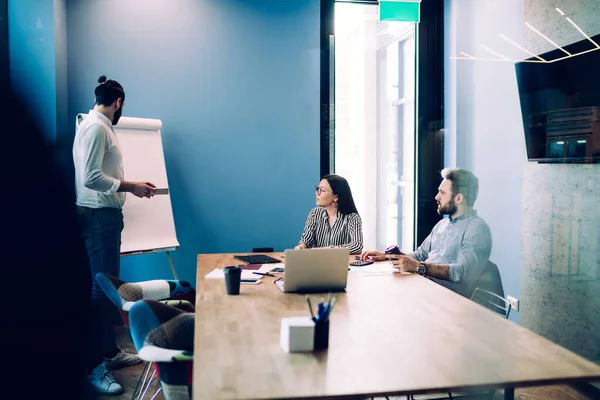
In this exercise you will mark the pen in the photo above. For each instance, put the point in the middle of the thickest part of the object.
(263, 273)
(331, 307)
(310, 307)
(327, 305)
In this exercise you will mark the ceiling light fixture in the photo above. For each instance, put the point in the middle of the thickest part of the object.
(538, 59)
(502, 56)
(495, 59)
(503, 36)
(527, 24)
(583, 33)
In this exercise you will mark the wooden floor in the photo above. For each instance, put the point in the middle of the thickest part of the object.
(128, 378)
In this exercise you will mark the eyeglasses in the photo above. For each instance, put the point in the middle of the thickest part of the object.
(319, 189)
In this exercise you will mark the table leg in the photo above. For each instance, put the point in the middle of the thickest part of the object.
(509, 393)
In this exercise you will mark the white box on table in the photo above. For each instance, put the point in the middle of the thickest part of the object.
(297, 334)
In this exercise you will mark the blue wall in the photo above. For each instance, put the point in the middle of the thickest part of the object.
(32, 59)
(64, 124)
(236, 85)
(484, 129)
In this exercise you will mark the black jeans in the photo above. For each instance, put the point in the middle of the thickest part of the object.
(101, 230)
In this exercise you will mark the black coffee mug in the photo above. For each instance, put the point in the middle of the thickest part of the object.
(233, 277)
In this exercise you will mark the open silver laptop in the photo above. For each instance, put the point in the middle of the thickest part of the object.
(315, 270)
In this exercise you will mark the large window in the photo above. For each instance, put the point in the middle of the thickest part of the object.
(375, 121)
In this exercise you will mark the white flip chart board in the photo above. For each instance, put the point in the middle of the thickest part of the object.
(149, 224)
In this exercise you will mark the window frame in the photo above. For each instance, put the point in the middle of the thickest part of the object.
(429, 107)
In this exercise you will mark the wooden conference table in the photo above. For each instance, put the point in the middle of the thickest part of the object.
(389, 335)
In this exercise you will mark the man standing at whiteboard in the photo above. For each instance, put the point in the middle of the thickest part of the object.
(100, 189)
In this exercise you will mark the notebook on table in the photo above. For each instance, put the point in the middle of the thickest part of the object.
(258, 259)
(247, 277)
(251, 267)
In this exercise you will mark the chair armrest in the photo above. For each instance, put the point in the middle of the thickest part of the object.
(181, 304)
(158, 354)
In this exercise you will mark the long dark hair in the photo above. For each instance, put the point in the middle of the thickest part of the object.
(341, 188)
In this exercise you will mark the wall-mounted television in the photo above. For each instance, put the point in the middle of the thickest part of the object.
(560, 104)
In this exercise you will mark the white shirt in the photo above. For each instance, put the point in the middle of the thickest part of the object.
(98, 163)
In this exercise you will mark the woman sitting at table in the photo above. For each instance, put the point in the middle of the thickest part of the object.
(335, 222)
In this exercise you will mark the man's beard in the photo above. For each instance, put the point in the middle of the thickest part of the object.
(449, 208)
(117, 116)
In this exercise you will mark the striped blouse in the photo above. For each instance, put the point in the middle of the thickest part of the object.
(346, 232)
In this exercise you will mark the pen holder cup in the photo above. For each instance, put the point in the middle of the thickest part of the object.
(321, 334)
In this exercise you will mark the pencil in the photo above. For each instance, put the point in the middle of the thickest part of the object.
(310, 307)
(331, 307)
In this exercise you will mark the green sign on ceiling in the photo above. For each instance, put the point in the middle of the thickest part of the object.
(400, 10)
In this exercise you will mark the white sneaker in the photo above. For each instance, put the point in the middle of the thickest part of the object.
(121, 360)
(103, 382)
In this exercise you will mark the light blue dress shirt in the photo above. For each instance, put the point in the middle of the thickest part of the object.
(465, 244)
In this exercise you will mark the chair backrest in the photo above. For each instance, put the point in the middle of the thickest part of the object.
(124, 294)
(262, 250)
(490, 280)
(492, 301)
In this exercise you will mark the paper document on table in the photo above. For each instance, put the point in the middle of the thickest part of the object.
(269, 267)
(219, 274)
(376, 269)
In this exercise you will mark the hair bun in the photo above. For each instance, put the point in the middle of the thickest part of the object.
(102, 79)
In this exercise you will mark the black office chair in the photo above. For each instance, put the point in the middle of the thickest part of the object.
(488, 292)
(492, 302)
(490, 280)
(263, 250)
